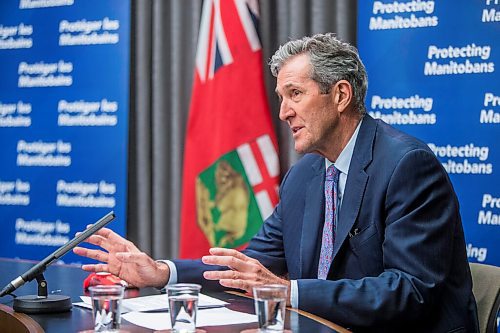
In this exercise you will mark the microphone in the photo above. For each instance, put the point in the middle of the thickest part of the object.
(36, 272)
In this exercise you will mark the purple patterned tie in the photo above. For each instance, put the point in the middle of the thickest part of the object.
(326, 256)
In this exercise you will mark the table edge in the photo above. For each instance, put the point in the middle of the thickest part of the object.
(318, 319)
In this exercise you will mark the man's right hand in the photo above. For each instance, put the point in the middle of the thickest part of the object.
(123, 259)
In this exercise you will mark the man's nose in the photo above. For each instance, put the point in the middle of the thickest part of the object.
(285, 110)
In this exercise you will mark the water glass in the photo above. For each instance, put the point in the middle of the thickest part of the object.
(183, 303)
(106, 307)
(270, 306)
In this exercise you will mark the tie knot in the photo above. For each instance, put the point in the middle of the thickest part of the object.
(332, 173)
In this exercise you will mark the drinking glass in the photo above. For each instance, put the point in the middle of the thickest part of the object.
(106, 307)
(270, 306)
(183, 303)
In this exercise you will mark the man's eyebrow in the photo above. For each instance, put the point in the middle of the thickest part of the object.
(286, 86)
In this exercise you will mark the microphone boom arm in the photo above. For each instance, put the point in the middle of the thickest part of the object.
(39, 268)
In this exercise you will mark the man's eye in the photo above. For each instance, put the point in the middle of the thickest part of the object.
(296, 93)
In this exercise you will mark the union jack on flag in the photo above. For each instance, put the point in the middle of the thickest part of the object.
(213, 50)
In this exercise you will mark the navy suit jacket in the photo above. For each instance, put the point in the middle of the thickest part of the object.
(399, 263)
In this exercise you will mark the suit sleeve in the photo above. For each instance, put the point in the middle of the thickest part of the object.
(420, 218)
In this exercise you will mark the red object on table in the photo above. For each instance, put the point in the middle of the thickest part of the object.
(102, 278)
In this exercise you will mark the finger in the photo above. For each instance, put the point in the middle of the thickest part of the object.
(218, 275)
(96, 268)
(96, 240)
(92, 239)
(220, 251)
(107, 239)
(81, 251)
(237, 284)
(229, 261)
(111, 235)
(92, 254)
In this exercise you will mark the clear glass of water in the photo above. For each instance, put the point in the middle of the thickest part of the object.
(183, 306)
(270, 306)
(106, 307)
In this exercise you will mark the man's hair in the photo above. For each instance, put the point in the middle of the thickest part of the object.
(331, 61)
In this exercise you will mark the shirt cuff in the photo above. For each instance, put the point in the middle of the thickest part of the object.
(173, 272)
(294, 294)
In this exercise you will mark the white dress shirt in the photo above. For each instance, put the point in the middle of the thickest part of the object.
(342, 164)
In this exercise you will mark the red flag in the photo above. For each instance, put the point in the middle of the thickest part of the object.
(231, 168)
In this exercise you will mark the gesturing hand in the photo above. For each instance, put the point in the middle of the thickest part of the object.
(123, 259)
(243, 273)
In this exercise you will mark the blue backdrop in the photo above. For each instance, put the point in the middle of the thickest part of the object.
(433, 72)
(64, 89)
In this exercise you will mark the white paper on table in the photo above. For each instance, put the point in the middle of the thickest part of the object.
(154, 303)
(205, 317)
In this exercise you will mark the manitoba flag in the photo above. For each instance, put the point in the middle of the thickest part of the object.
(231, 168)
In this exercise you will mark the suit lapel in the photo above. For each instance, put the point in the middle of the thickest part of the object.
(356, 181)
(312, 220)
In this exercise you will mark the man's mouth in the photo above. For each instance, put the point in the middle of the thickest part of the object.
(295, 129)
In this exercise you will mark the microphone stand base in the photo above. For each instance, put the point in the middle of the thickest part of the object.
(33, 304)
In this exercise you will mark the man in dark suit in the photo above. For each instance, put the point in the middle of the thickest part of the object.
(367, 232)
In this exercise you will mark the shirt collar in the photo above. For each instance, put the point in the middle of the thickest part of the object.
(344, 160)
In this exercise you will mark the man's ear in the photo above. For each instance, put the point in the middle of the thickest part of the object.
(342, 92)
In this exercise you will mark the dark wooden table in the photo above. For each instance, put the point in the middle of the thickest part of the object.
(67, 280)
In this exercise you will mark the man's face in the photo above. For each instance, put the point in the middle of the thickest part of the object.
(311, 115)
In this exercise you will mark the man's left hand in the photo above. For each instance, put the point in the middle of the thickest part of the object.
(243, 273)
